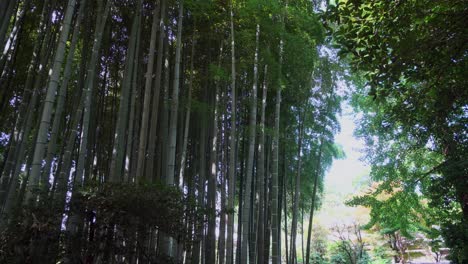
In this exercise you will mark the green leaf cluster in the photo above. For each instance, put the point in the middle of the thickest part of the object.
(410, 59)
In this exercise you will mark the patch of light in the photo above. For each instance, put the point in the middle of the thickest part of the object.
(344, 176)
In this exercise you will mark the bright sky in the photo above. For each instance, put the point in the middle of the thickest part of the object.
(341, 178)
(344, 172)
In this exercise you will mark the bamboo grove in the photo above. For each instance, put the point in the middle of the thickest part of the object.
(157, 131)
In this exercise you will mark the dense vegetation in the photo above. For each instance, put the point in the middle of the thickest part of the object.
(199, 131)
(157, 131)
(412, 59)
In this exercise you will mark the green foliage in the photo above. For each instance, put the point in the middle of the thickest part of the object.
(112, 209)
(456, 235)
(112, 220)
(337, 257)
(319, 245)
(400, 212)
(154, 205)
(349, 247)
(317, 258)
(380, 256)
(319, 107)
(411, 56)
(341, 256)
(27, 230)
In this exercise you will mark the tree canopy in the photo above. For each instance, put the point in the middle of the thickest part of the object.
(412, 60)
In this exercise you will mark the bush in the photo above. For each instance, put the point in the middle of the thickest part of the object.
(101, 221)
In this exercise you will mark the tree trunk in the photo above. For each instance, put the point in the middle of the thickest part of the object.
(250, 160)
(28, 104)
(261, 174)
(174, 102)
(242, 164)
(150, 160)
(302, 233)
(314, 195)
(297, 194)
(118, 153)
(142, 155)
(132, 139)
(318, 171)
(164, 133)
(222, 220)
(171, 153)
(47, 110)
(275, 220)
(187, 114)
(12, 41)
(211, 236)
(58, 116)
(285, 208)
(90, 79)
(5, 21)
(232, 152)
(201, 192)
(267, 213)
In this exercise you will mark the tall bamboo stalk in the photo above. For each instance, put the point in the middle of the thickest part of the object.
(175, 101)
(250, 159)
(261, 173)
(118, 153)
(58, 115)
(47, 111)
(149, 167)
(232, 150)
(89, 86)
(142, 155)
